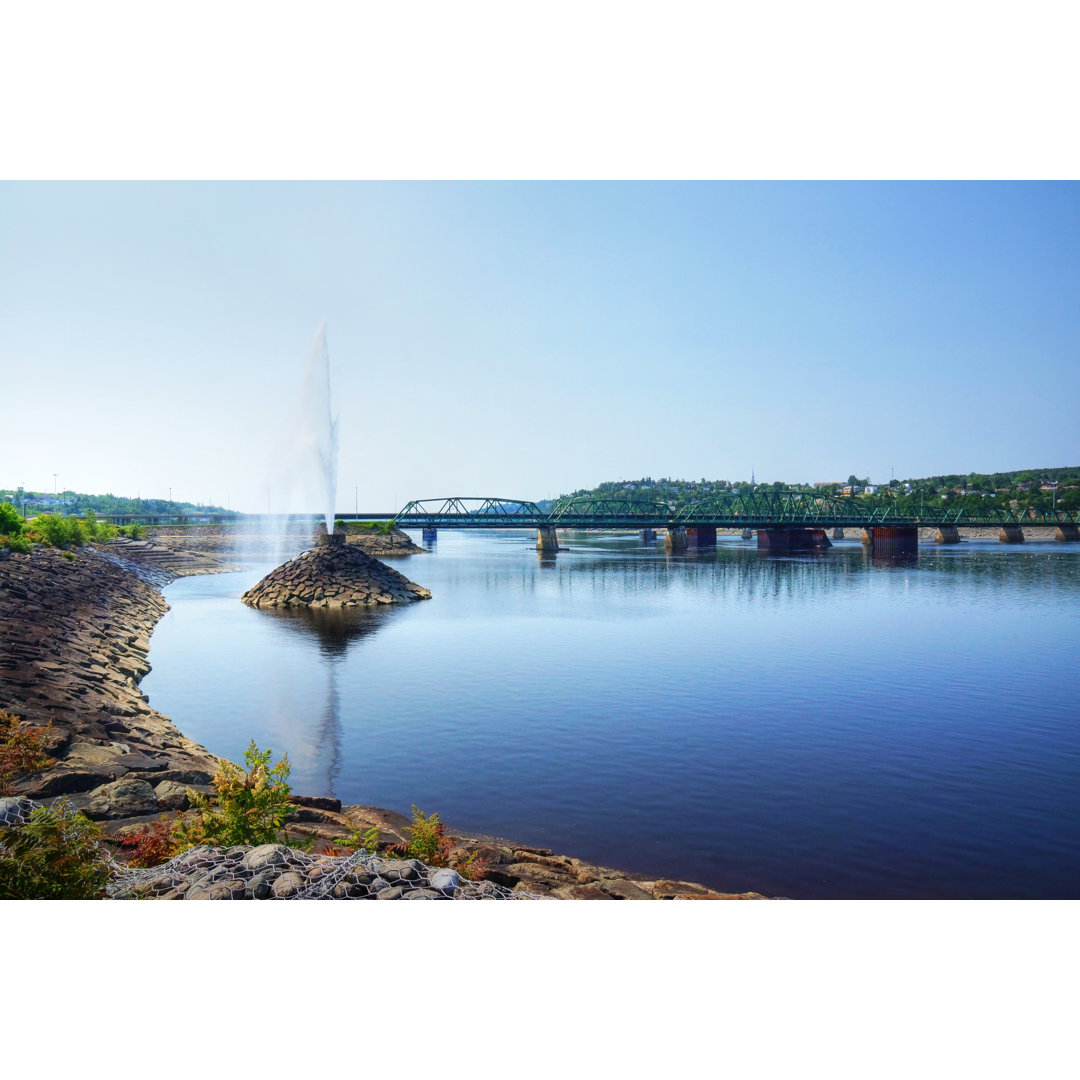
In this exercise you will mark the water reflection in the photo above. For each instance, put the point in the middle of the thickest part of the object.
(332, 629)
(801, 724)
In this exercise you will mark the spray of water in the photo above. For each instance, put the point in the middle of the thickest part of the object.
(316, 439)
(303, 474)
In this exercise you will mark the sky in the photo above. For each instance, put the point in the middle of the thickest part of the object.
(524, 339)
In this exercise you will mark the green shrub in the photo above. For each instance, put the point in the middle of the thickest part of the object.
(10, 522)
(54, 856)
(379, 528)
(430, 843)
(95, 530)
(366, 840)
(57, 531)
(16, 543)
(251, 806)
(134, 531)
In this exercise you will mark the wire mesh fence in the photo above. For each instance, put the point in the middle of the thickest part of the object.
(279, 872)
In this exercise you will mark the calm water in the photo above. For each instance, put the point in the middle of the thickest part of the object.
(807, 726)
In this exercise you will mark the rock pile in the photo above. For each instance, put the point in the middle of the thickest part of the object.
(333, 575)
(384, 545)
(278, 872)
(74, 637)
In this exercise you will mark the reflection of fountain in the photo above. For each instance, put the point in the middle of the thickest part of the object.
(330, 729)
(334, 631)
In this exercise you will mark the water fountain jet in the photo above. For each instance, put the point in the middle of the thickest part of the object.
(333, 574)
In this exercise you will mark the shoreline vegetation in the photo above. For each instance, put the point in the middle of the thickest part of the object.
(75, 631)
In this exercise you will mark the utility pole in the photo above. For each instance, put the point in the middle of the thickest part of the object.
(54, 484)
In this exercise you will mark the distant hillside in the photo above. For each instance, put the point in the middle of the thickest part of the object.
(1019, 489)
(75, 502)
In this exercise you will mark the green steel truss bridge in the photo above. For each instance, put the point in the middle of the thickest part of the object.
(756, 510)
(783, 520)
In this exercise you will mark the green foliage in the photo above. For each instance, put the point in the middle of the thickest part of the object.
(22, 749)
(97, 530)
(251, 806)
(20, 544)
(378, 528)
(54, 856)
(57, 531)
(134, 531)
(430, 843)
(366, 840)
(11, 523)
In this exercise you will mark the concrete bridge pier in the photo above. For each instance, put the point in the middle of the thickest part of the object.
(947, 534)
(431, 534)
(675, 539)
(838, 533)
(701, 538)
(892, 539)
(747, 534)
(1067, 532)
(1011, 534)
(648, 536)
(792, 539)
(547, 539)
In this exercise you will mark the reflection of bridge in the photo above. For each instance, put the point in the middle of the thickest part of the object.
(785, 520)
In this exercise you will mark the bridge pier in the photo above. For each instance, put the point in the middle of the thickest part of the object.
(431, 534)
(700, 538)
(1067, 532)
(947, 534)
(838, 533)
(547, 539)
(747, 534)
(1011, 534)
(675, 539)
(648, 536)
(892, 539)
(792, 539)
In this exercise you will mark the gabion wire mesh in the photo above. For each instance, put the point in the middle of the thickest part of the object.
(278, 872)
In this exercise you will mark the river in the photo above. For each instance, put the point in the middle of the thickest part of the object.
(812, 726)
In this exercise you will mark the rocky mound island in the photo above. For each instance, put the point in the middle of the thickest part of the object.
(333, 574)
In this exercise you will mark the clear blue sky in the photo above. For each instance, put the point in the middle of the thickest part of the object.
(525, 339)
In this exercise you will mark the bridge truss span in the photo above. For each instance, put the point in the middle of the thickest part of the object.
(466, 512)
(750, 510)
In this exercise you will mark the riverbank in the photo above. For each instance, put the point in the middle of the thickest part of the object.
(74, 638)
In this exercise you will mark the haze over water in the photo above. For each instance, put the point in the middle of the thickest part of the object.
(808, 726)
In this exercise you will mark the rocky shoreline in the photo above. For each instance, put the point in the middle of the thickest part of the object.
(74, 638)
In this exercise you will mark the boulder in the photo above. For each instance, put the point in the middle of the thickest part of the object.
(121, 799)
(172, 796)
